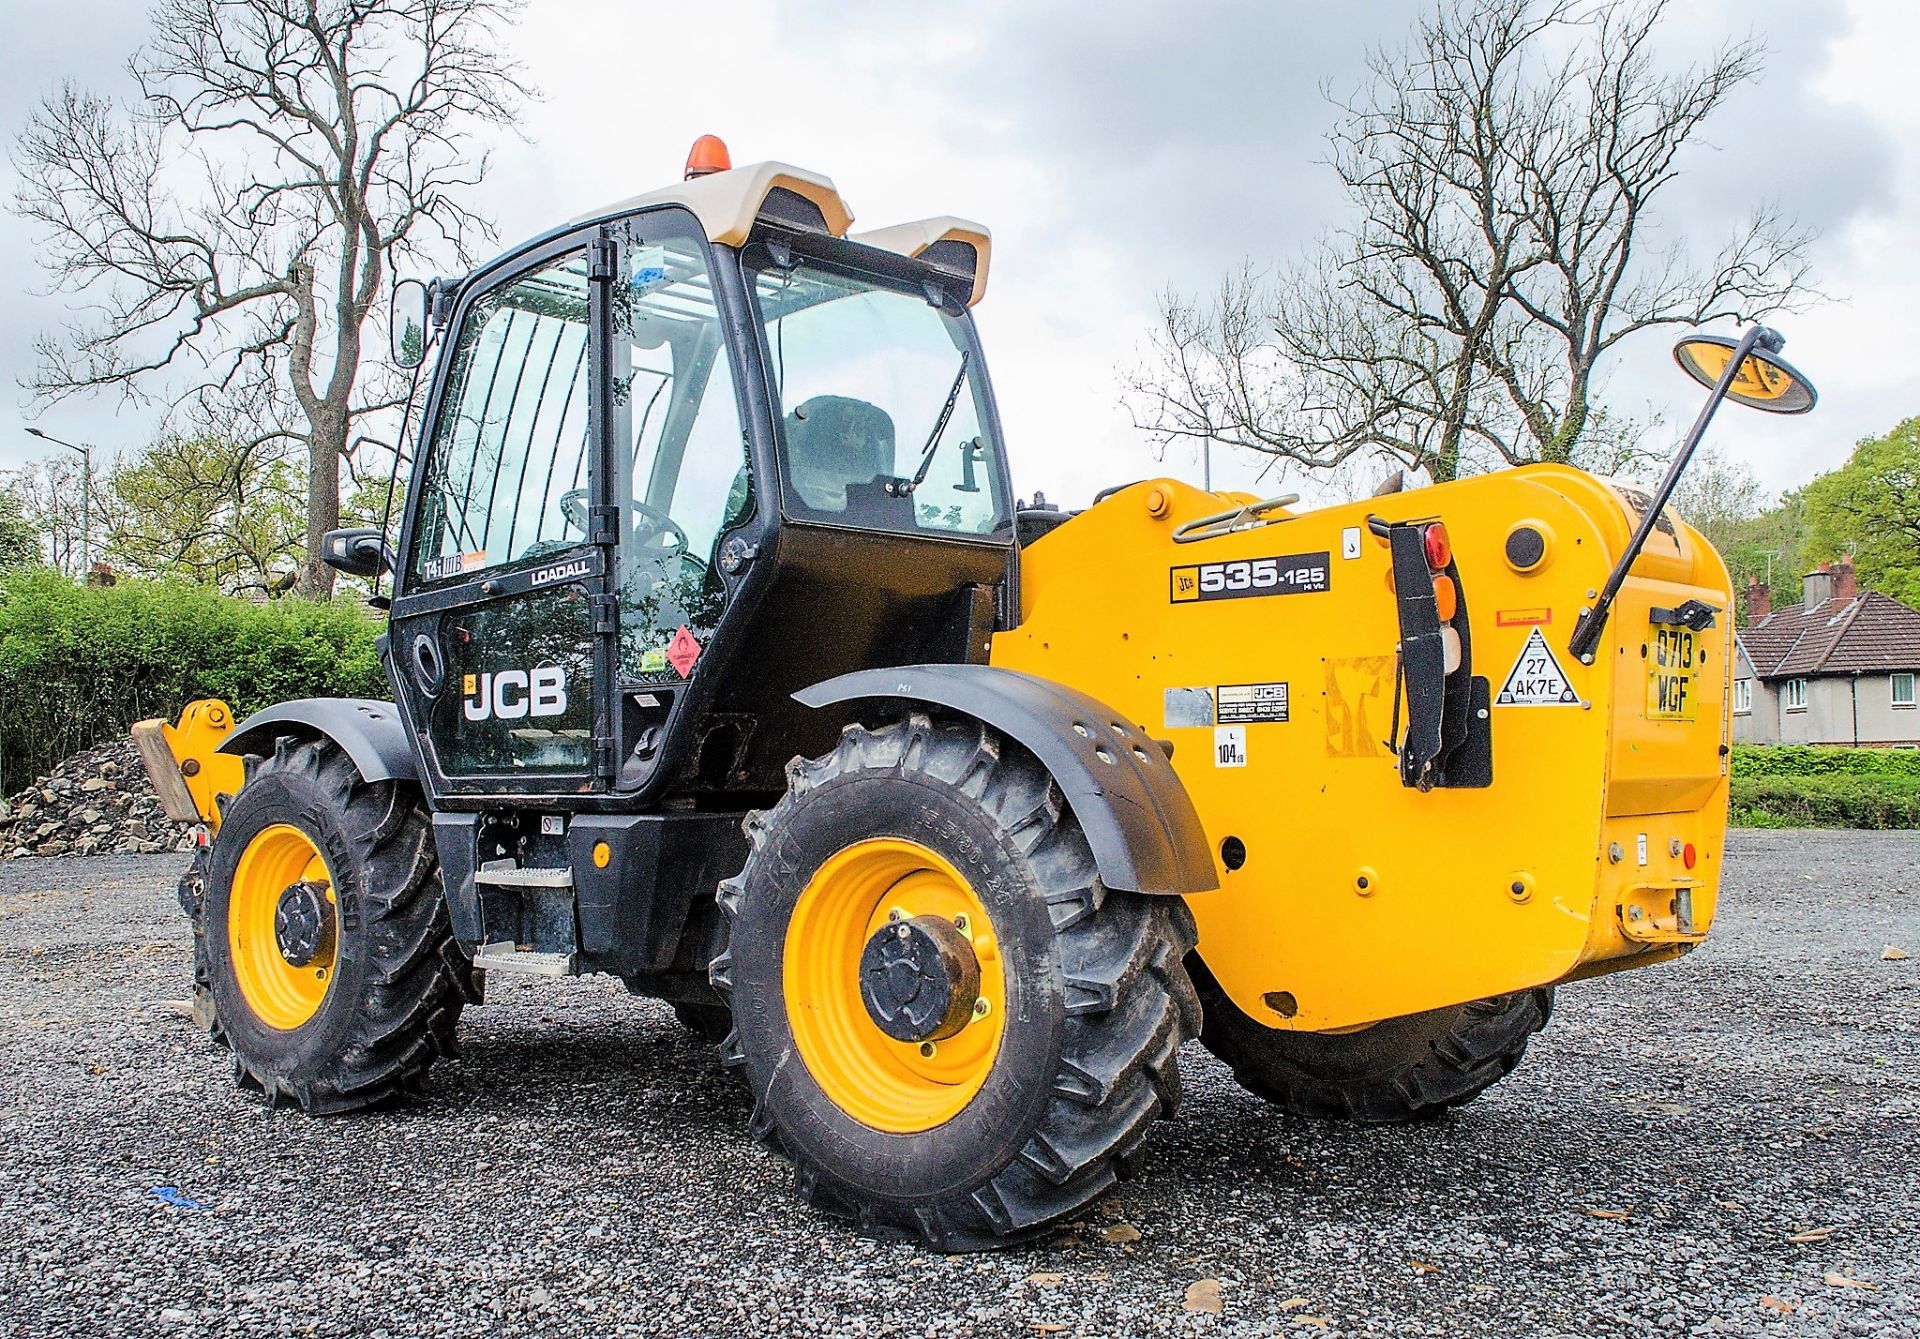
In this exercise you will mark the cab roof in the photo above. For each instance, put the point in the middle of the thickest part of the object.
(728, 205)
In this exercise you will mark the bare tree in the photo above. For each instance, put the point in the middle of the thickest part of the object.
(232, 228)
(50, 496)
(1502, 170)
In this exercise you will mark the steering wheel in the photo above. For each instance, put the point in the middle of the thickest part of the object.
(651, 526)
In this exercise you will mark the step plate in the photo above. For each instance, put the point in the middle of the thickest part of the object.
(516, 876)
(505, 957)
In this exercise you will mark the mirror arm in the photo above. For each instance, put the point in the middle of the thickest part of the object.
(1586, 633)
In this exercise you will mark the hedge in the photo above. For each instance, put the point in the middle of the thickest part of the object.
(1801, 786)
(1758, 760)
(78, 664)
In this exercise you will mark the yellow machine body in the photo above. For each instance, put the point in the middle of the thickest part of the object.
(1357, 898)
(189, 773)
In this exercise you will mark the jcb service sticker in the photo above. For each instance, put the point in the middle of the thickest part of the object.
(1287, 574)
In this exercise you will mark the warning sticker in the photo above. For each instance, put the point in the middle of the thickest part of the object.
(682, 651)
(1536, 679)
(453, 564)
(1252, 703)
(1185, 707)
(1230, 746)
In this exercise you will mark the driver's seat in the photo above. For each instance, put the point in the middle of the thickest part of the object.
(835, 442)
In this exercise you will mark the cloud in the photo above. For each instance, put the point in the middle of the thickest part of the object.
(1115, 149)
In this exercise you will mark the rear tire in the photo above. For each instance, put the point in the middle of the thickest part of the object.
(1397, 1071)
(390, 982)
(1094, 999)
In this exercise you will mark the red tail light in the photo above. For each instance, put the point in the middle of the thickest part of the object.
(1439, 546)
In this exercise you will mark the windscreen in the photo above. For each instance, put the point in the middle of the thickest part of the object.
(882, 404)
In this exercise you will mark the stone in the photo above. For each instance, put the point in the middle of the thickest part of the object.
(97, 802)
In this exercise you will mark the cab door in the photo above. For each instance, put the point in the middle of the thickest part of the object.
(502, 628)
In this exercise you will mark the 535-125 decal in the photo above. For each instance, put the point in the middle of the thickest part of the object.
(1286, 574)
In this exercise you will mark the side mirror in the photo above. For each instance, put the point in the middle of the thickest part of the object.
(1763, 381)
(1749, 371)
(358, 553)
(407, 323)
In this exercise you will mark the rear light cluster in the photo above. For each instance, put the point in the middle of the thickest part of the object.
(1438, 545)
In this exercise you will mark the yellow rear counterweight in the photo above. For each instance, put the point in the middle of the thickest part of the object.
(1268, 657)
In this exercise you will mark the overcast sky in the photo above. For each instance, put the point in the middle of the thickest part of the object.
(1115, 149)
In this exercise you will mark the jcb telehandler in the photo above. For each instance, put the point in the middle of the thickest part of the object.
(723, 662)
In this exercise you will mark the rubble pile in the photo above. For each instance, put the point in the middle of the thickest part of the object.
(95, 803)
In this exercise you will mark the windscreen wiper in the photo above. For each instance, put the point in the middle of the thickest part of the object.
(901, 488)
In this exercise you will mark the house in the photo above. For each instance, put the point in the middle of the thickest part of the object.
(1838, 668)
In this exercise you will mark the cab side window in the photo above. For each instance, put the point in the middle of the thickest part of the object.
(506, 472)
(682, 474)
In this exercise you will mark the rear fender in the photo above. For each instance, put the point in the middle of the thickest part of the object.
(1145, 833)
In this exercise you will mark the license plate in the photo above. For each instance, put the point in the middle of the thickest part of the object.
(1671, 686)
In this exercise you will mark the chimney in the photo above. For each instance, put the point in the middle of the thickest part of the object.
(1817, 585)
(1759, 600)
(1843, 583)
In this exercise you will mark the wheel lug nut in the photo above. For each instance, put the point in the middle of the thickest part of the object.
(981, 1008)
(960, 923)
(928, 1050)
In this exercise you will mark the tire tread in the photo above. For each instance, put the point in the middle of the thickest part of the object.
(1122, 957)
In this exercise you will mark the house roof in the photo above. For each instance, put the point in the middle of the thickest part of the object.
(1865, 634)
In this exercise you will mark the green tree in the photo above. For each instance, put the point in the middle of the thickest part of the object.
(221, 512)
(1767, 548)
(19, 536)
(1870, 507)
(1719, 498)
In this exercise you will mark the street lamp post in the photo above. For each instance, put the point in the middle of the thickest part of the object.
(86, 496)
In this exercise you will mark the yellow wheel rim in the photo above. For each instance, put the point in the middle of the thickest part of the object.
(280, 994)
(890, 1085)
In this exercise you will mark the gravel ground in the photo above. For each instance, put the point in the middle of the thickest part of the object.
(585, 1168)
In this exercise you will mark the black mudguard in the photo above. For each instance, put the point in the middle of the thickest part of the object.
(368, 731)
(1140, 821)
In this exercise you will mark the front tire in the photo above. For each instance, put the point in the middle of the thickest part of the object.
(1043, 1097)
(324, 944)
(1397, 1071)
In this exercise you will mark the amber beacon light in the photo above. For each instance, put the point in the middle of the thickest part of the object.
(709, 155)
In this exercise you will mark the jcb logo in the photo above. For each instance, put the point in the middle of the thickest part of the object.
(508, 695)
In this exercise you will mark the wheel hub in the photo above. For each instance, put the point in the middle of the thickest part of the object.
(919, 979)
(302, 927)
